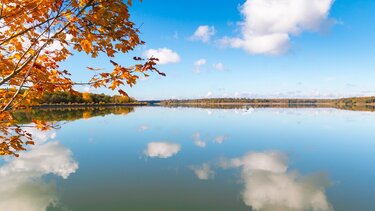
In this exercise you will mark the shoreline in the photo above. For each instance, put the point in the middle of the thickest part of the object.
(356, 103)
(215, 105)
(87, 105)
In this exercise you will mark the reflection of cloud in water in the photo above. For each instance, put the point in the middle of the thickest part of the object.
(235, 110)
(198, 141)
(47, 158)
(220, 139)
(270, 186)
(41, 136)
(162, 149)
(203, 172)
(21, 185)
(244, 111)
(305, 111)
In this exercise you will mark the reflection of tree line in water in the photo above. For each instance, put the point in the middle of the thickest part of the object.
(357, 107)
(74, 113)
(51, 114)
(68, 114)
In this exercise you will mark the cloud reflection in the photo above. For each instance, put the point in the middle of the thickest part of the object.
(162, 149)
(41, 136)
(220, 139)
(198, 141)
(244, 111)
(203, 172)
(270, 186)
(21, 184)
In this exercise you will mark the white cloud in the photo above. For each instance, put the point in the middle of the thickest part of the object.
(143, 128)
(209, 94)
(270, 186)
(203, 33)
(268, 24)
(52, 47)
(86, 89)
(21, 184)
(219, 66)
(58, 46)
(198, 64)
(162, 149)
(165, 55)
(203, 172)
(89, 89)
(198, 141)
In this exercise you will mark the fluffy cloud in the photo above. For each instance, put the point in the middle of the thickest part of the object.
(203, 33)
(21, 184)
(165, 55)
(58, 46)
(142, 128)
(162, 149)
(268, 24)
(270, 186)
(198, 64)
(203, 172)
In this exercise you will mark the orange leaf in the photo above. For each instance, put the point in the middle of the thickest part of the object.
(86, 45)
(123, 93)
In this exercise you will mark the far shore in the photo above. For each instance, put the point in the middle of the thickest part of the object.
(355, 103)
(245, 103)
(46, 106)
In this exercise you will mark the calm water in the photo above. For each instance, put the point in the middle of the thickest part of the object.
(153, 158)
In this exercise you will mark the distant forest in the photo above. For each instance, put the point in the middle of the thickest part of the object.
(81, 98)
(355, 103)
(341, 101)
(57, 98)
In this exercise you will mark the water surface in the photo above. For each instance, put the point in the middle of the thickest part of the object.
(154, 158)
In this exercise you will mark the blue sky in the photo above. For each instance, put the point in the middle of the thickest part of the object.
(312, 48)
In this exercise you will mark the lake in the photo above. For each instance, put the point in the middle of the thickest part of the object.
(157, 158)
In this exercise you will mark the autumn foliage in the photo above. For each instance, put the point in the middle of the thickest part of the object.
(36, 35)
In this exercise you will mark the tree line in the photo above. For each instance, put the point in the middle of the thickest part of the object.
(65, 97)
(301, 101)
(247, 100)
